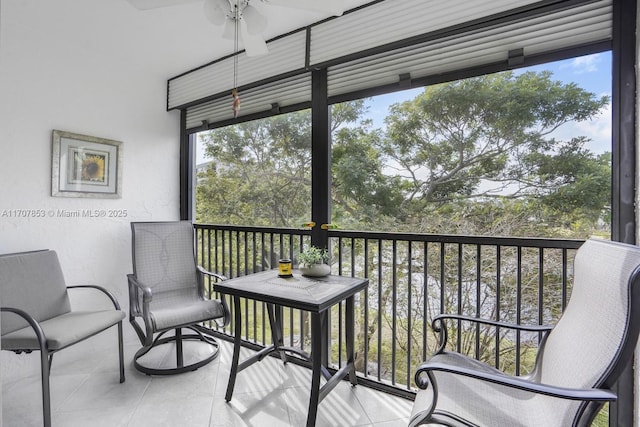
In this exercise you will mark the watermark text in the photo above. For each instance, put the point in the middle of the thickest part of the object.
(63, 213)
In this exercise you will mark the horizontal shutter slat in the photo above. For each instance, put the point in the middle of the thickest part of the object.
(582, 25)
(285, 55)
(288, 92)
(455, 34)
(393, 20)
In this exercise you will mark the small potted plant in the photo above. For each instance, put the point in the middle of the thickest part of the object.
(313, 262)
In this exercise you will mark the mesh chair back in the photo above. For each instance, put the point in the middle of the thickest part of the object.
(600, 323)
(164, 260)
(33, 282)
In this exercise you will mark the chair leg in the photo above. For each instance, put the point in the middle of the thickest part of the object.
(45, 363)
(121, 351)
(179, 356)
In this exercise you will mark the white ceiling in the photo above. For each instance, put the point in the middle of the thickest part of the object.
(191, 40)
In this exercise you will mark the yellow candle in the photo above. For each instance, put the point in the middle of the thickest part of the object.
(284, 268)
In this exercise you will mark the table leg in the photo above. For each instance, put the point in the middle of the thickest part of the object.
(275, 320)
(316, 364)
(326, 337)
(350, 338)
(237, 342)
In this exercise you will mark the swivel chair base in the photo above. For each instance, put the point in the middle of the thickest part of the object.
(178, 338)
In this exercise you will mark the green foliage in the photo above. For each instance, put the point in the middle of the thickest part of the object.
(313, 255)
(260, 175)
(488, 137)
(361, 190)
(449, 161)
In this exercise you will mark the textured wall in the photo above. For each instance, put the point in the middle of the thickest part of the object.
(96, 68)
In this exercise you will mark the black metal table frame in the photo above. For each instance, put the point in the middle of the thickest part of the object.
(317, 348)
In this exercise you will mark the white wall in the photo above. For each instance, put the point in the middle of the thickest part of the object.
(94, 67)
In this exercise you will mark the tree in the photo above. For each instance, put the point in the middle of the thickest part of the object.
(489, 137)
(361, 192)
(261, 170)
(492, 137)
(260, 174)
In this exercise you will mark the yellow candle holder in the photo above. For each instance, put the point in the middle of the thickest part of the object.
(284, 268)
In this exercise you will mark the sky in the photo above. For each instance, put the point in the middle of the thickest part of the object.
(591, 72)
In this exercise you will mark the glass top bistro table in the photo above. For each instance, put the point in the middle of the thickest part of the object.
(313, 294)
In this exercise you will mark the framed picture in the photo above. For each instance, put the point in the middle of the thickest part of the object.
(85, 166)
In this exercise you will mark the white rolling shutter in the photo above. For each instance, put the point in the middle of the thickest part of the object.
(286, 54)
(372, 46)
(579, 26)
(394, 20)
(284, 93)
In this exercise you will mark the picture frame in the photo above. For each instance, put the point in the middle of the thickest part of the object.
(85, 166)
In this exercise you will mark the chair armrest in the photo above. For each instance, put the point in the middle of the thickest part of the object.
(147, 293)
(135, 310)
(135, 288)
(227, 313)
(41, 337)
(598, 395)
(438, 325)
(101, 289)
(211, 273)
(531, 328)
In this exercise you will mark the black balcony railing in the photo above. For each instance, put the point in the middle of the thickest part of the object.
(412, 278)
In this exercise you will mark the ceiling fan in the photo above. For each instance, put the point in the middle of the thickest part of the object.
(241, 16)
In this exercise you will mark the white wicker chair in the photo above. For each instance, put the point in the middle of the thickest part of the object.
(578, 362)
(166, 290)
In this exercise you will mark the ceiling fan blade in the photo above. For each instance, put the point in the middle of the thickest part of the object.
(216, 11)
(229, 32)
(334, 7)
(254, 44)
(154, 4)
(256, 22)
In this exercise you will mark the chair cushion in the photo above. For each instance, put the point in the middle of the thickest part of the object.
(63, 330)
(186, 311)
(33, 282)
(484, 403)
(584, 343)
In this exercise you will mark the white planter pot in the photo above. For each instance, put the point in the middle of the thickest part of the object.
(316, 270)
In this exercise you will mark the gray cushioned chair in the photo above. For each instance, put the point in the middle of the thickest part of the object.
(578, 362)
(166, 291)
(37, 315)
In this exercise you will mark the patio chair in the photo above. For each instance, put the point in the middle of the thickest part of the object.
(166, 291)
(578, 361)
(36, 313)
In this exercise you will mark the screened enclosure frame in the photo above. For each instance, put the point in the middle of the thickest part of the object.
(314, 82)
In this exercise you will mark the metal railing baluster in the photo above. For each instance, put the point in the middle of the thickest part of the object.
(413, 276)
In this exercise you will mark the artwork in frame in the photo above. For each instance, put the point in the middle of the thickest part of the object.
(85, 166)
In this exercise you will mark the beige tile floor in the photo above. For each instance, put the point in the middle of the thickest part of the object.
(86, 392)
